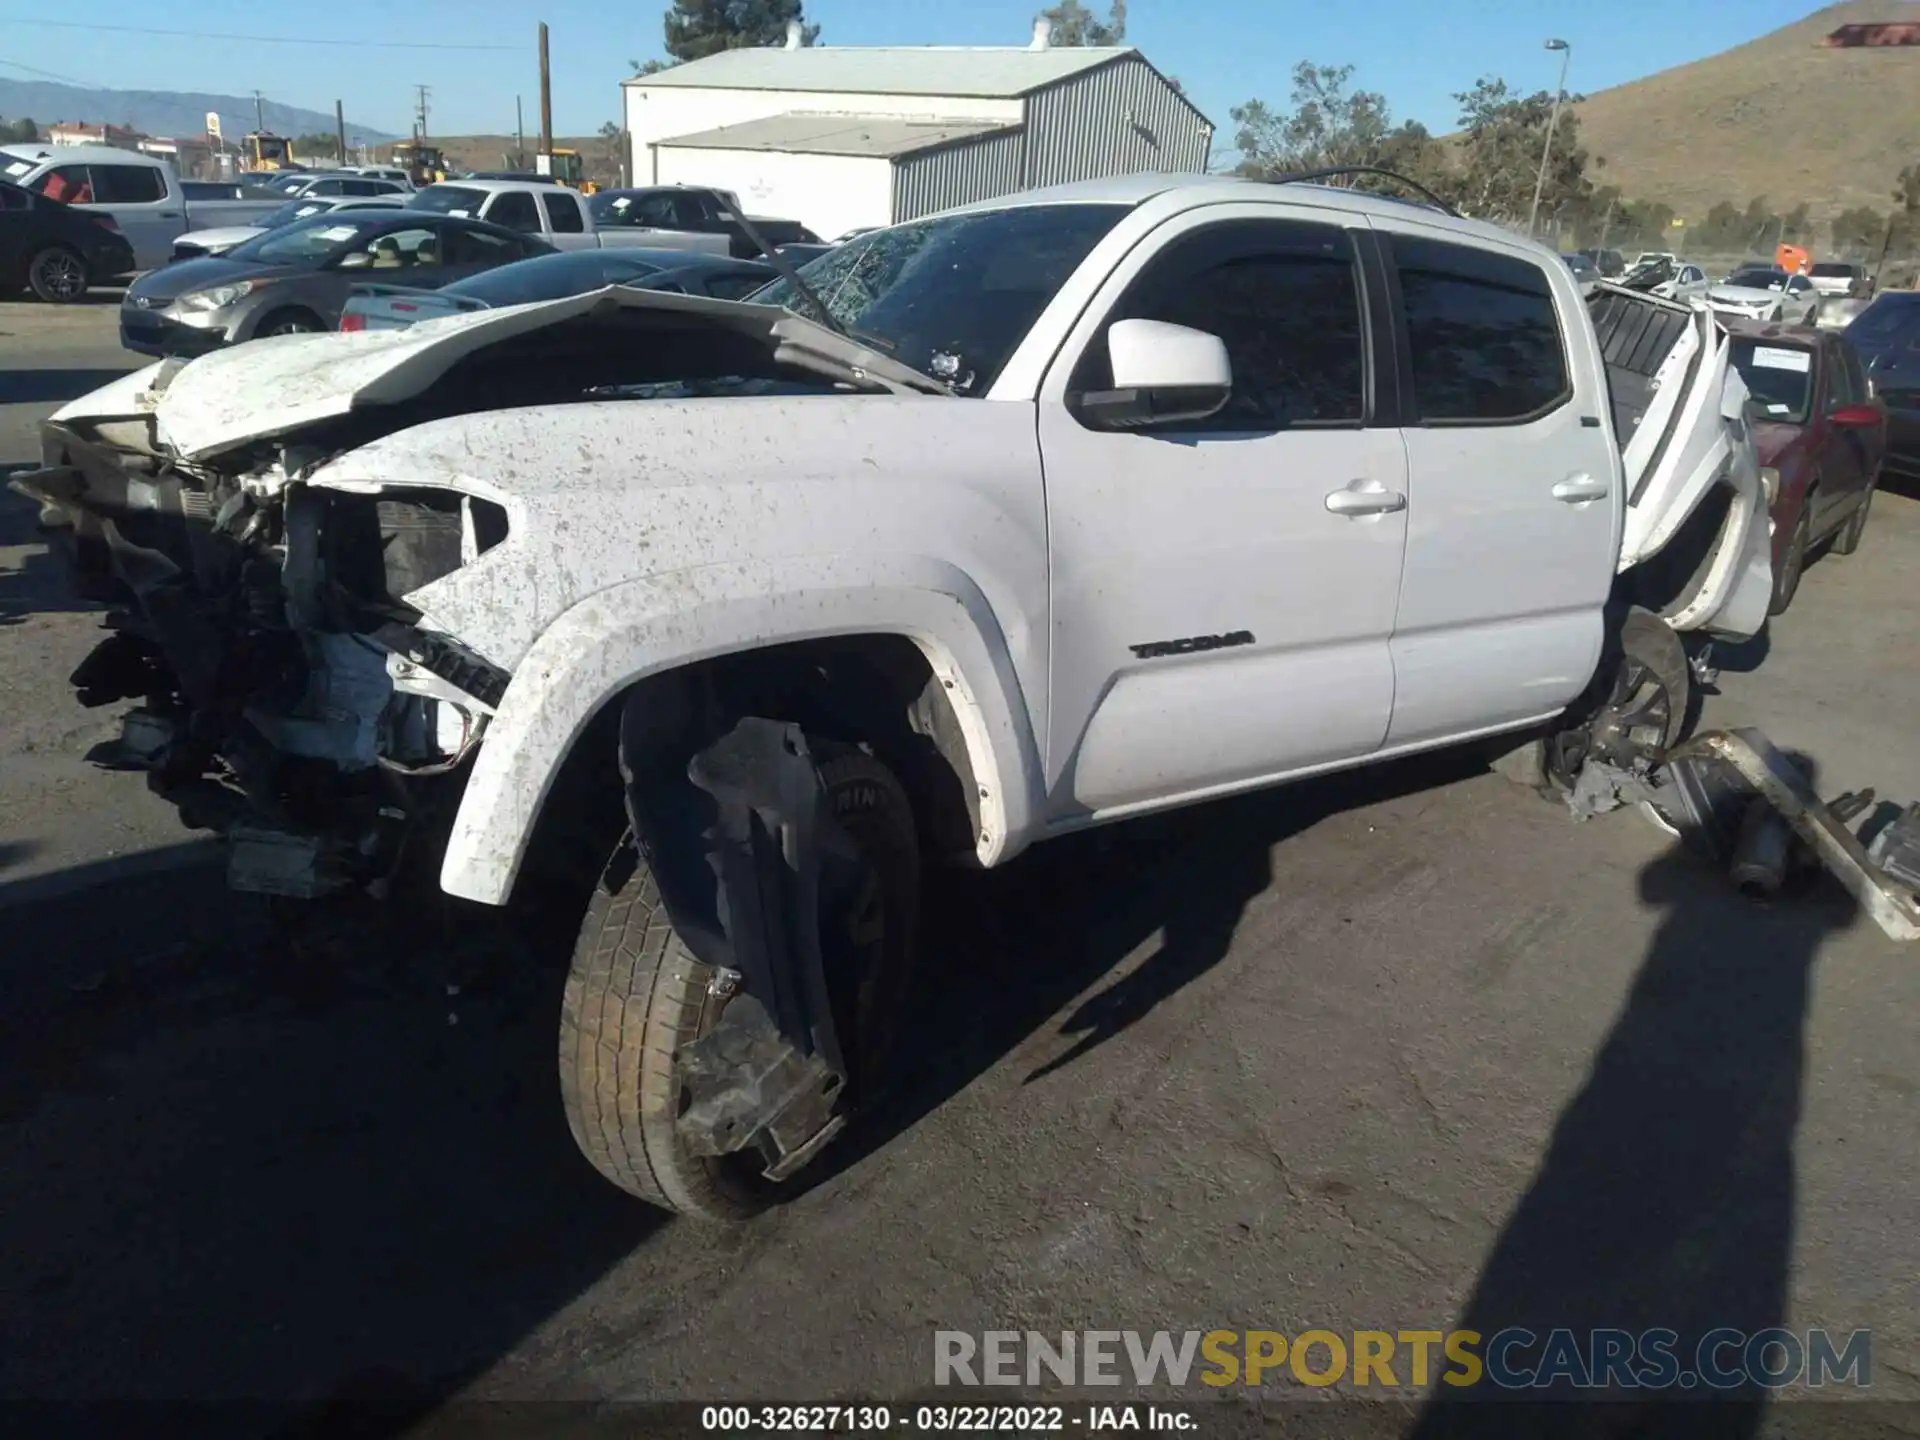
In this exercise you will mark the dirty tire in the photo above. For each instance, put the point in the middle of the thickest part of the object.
(1786, 580)
(57, 275)
(1848, 540)
(635, 995)
(290, 322)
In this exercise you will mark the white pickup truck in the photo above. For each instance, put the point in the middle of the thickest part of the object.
(554, 213)
(150, 204)
(1066, 507)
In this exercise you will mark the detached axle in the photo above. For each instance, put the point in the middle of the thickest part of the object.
(1752, 810)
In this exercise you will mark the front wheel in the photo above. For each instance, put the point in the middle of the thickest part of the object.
(635, 995)
(289, 322)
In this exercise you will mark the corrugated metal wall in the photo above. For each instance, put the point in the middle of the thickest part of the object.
(957, 175)
(1116, 120)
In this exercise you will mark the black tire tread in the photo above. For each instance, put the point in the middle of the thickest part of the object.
(634, 995)
(33, 264)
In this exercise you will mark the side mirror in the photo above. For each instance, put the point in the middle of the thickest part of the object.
(1161, 373)
(1855, 417)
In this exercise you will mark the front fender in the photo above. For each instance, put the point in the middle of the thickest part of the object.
(605, 643)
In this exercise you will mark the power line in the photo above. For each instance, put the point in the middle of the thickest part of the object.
(357, 44)
(50, 75)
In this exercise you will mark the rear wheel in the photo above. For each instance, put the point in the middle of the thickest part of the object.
(1637, 710)
(57, 275)
(1786, 580)
(1848, 540)
(636, 995)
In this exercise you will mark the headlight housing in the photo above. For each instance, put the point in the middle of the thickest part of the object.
(220, 297)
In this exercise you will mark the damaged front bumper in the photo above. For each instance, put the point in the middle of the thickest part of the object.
(288, 696)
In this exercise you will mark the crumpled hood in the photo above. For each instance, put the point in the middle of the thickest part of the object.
(283, 383)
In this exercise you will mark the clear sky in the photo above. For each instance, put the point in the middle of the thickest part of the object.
(1223, 51)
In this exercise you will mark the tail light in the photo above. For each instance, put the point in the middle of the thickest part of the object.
(403, 305)
(351, 321)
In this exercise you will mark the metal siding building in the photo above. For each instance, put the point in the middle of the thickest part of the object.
(842, 137)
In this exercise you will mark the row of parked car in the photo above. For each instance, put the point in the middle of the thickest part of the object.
(1811, 349)
(86, 215)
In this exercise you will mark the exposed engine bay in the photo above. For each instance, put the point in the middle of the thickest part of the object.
(291, 696)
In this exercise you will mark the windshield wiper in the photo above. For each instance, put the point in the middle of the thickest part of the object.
(780, 263)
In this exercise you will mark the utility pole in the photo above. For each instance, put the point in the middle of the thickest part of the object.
(340, 129)
(1607, 223)
(420, 110)
(546, 98)
(1553, 121)
(259, 112)
(519, 136)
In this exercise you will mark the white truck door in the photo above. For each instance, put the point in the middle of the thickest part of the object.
(143, 201)
(1514, 484)
(147, 204)
(1223, 591)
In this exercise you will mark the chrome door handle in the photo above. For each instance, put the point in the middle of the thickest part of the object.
(1374, 500)
(1579, 489)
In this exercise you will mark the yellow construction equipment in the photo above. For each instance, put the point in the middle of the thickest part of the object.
(566, 167)
(266, 151)
(424, 163)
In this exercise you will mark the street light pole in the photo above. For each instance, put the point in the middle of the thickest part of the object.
(1553, 122)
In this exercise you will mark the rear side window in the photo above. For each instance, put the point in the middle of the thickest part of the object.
(1283, 297)
(1482, 334)
(477, 247)
(1841, 386)
(127, 184)
(515, 210)
(563, 214)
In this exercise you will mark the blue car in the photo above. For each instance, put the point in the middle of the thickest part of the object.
(1887, 335)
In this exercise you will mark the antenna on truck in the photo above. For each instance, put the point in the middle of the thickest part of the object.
(1328, 172)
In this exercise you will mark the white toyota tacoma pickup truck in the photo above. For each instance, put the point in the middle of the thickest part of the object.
(1070, 506)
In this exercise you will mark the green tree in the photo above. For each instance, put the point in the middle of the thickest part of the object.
(1723, 230)
(614, 149)
(1327, 125)
(317, 146)
(1074, 24)
(1504, 137)
(696, 29)
(23, 131)
(1858, 230)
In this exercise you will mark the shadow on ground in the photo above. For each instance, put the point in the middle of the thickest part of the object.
(1008, 949)
(36, 582)
(242, 1161)
(52, 387)
(1665, 1200)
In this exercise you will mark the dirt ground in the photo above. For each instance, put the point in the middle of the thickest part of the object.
(1399, 1051)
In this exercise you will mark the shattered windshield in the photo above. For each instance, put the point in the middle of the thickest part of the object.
(951, 297)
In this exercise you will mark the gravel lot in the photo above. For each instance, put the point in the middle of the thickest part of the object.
(1376, 1052)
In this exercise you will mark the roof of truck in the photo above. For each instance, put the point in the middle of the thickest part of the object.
(80, 154)
(1137, 189)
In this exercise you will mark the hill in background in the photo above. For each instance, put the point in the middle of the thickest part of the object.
(164, 112)
(1779, 116)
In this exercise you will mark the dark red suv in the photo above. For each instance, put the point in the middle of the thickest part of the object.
(1821, 437)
